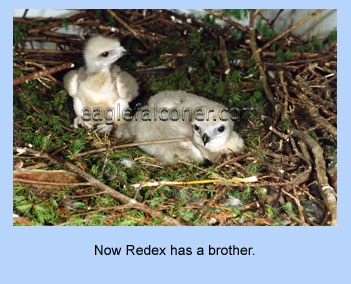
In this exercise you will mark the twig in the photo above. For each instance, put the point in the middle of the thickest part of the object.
(123, 23)
(108, 190)
(43, 73)
(314, 113)
(304, 149)
(128, 27)
(223, 52)
(256, 56)
(284, 136)
(295, 219)
(276, 17)
(301, 84)
(183, 183)
(238, 158)
(48, 184)
(298, 206)
(25, 13)
(284, 115)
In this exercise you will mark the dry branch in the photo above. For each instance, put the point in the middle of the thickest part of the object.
(327, 191)
(123, 23)
(234, 180)
(305, 88)
(256, 56)
(43, 73)
(48, 179)
(224, 56)
(314, 113)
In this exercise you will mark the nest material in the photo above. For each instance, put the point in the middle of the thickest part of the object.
(294, 159)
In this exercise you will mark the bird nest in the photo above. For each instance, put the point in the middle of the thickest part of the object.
(283, 86)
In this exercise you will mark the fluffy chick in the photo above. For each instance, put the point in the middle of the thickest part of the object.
(100, 88)
(204, 125)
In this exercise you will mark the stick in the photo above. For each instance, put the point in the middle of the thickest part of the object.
(314, 113)
(128, 27)
(256, 56)
(327, 191)
(207, 181)
(43, 73)
(223, 52)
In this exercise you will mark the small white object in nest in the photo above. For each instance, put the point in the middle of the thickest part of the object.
(127, 162)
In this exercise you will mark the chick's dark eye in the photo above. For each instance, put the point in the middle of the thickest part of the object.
(196, 127)
(105, 54)
(221, 128)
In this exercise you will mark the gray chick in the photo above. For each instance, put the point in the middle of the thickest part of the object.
(100, 89)
(206, 127)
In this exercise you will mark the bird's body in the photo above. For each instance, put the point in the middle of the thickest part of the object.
(100, 88)
(204, 126)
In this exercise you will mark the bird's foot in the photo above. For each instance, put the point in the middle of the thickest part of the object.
(104, 128)
(78, 121)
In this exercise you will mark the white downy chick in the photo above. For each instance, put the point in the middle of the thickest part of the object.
(206, 127)
(100, 89)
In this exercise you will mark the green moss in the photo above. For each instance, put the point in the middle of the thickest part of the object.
(39, 211)
(332, 36)
(265, 30)
(20, 32)
(290, 208)
(284, 126)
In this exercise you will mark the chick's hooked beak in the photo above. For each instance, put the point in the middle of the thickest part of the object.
(205, 138)
(123, 51)
(119, 52)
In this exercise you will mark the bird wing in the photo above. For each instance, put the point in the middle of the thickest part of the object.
(126, 85)
(70, 82)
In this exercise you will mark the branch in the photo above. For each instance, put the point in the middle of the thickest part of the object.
(184, 183)
(314, 113)
(256, 56)
(43, 73)
(327, 191)
(128, 27)
(224, 56)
